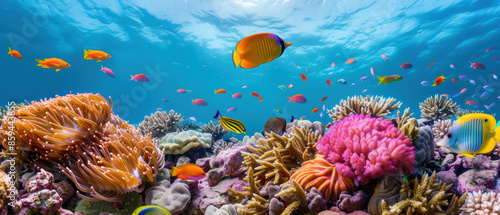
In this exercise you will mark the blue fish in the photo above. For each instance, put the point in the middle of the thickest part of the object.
(472, 134)
(151, 210)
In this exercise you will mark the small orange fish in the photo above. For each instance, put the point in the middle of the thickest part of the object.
(188, 171)
(328, 82)
(315, 110)
(350, 61)
(53, 63)
(303, 77)
(290, 85)
(431, 64)
(255, 94)
(220, 91)
(438, 81)
(333, 64)
(15, 54)
(95, 55)
(323, 99)
(453, 79)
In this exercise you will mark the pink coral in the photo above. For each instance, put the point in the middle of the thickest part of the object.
(364, 148)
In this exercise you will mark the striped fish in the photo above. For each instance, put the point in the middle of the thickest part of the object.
(231, 124)
(472, 134)
(276, 125)
(257, 49)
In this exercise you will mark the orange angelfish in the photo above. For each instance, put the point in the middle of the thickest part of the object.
(257, 49)
(438, 81)
(53, 63)
(15, 54)
(328, 82)
(303, 77)
(315, 110)
(95, 55)
(188, 171)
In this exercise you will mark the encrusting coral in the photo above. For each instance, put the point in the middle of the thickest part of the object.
(321, 174)
(482, 203)
(77, 134)
(181, 142)
(159, 123)
(441, 128)
(367, 105)
(216, 129)
(438, 107)
(426, 197)
(364, 148)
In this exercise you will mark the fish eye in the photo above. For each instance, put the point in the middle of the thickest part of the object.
(486, 120)
(449, 135)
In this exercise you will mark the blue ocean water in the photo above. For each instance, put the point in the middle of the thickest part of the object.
(188, 45)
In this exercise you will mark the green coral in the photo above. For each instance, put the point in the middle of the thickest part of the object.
(131, 201)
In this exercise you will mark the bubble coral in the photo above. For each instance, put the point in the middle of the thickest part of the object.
(438, 107)
(367, 105)
(364, 148)
(159, 123)
(322, 175)
(77, 134)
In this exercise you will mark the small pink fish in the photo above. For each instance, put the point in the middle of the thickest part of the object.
(350, 61)
(489, 106)
(495, 58)
(140, 78)
(453, 66)
(108, 71)
(321, 115)
(471, 103)
(384, 57)
(463, 76)
(492, 48)
(363, 78)
(165, 100)
(303, 117)
(297, 99)
(330, 73)
(495, 76)
(364, 91)
(237, 95)
(323, 107)
(333, 64)
(181, 91)
(463, 90)
(244, 87)
(472, 82)
(158, 108)
(231, 109)
(477, 66)
(295, 65)
(372, 71)
(192, 118)
(199, 102)
(406, 66)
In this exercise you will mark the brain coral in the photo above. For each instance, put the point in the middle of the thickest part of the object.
(181, 142)
(364, 148)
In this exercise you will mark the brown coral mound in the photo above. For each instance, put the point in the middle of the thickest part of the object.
(426, 197)
(159, 123)
(77, 134)
(321, 174)
(438, 107)
(367, 105)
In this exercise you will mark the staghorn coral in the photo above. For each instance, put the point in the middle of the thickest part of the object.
(216, 129)
(409, 126)
(364, 148)
(274, 157)
(159, 123)
(367, 105)
(321, 174)
(78, 135)
(181, 142)
(256, 204)
(438, 107)
(482, 203)
(441, 128)
(294, 195)
(426, 197)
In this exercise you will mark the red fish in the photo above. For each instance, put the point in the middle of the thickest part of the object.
(303, 77)
(140, 78)
(372, 71)
(463, 90)
(350, 61)
(454, 80)
(492, 48)
(297, 99)
(431, 64)
(438, 81)
(220, 91)
(181, 91)
(384, 57)
(333, 64)
(199, 102)
(477, 66)
(165, 100)
(15, 54)
(188, 171)
(255, 94)
(307, 71)
(328, 82)
(290, 85)
(471, 103)
(406, 66)
(323, 99)
(237, 95)
(314, 110)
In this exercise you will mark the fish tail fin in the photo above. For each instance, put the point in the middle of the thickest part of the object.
(57, 70)
(102, 67)
(433, 85)
(10, 51)
(380, 79)
(217, 115)
(85, 52)
(470, 64)
(175, 171)
(131, 77)
(496, 134)
(40, 62)
(236, 58)
(293, 119)
(260, 99)
(189, 91)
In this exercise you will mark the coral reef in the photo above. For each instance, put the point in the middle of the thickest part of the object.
(424, 145)
(409, 126)
(426, 197)
(441, 128)
(314, 126)
(228, 163)
(482, 203)
(321, 174)
(77, 134)
(173, 197)
(130, 202)
(221, 145)
(364, 148)
(215, 129)
(5, 182)
(224, 210)
(388, 191)
(159, 123)
(438, 107)
(39, 196)
(181, 142)
(274, 157)
(478, 180)
(351, 203)
(367, 105)
(217, 195)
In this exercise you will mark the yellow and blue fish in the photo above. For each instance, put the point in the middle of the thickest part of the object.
(257, 49)
(230, 124)
(472, 134)
(151, 210)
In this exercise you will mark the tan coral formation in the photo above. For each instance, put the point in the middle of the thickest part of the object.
(438, 107)
(181, 142)
(482, 203)
(377, 106)
(407, 124)
(159, 123)
(426, 197)
(441, 128)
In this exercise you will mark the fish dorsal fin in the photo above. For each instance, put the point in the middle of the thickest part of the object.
(246, 42)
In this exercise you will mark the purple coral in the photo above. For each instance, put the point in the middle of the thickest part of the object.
(39, 196)
(364, 148)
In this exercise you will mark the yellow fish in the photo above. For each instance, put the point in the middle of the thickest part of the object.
(257, 49)
(95, 55)
(472, 134)
(53, 63)
(389, 79)
(230, 123)
(151, 210)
